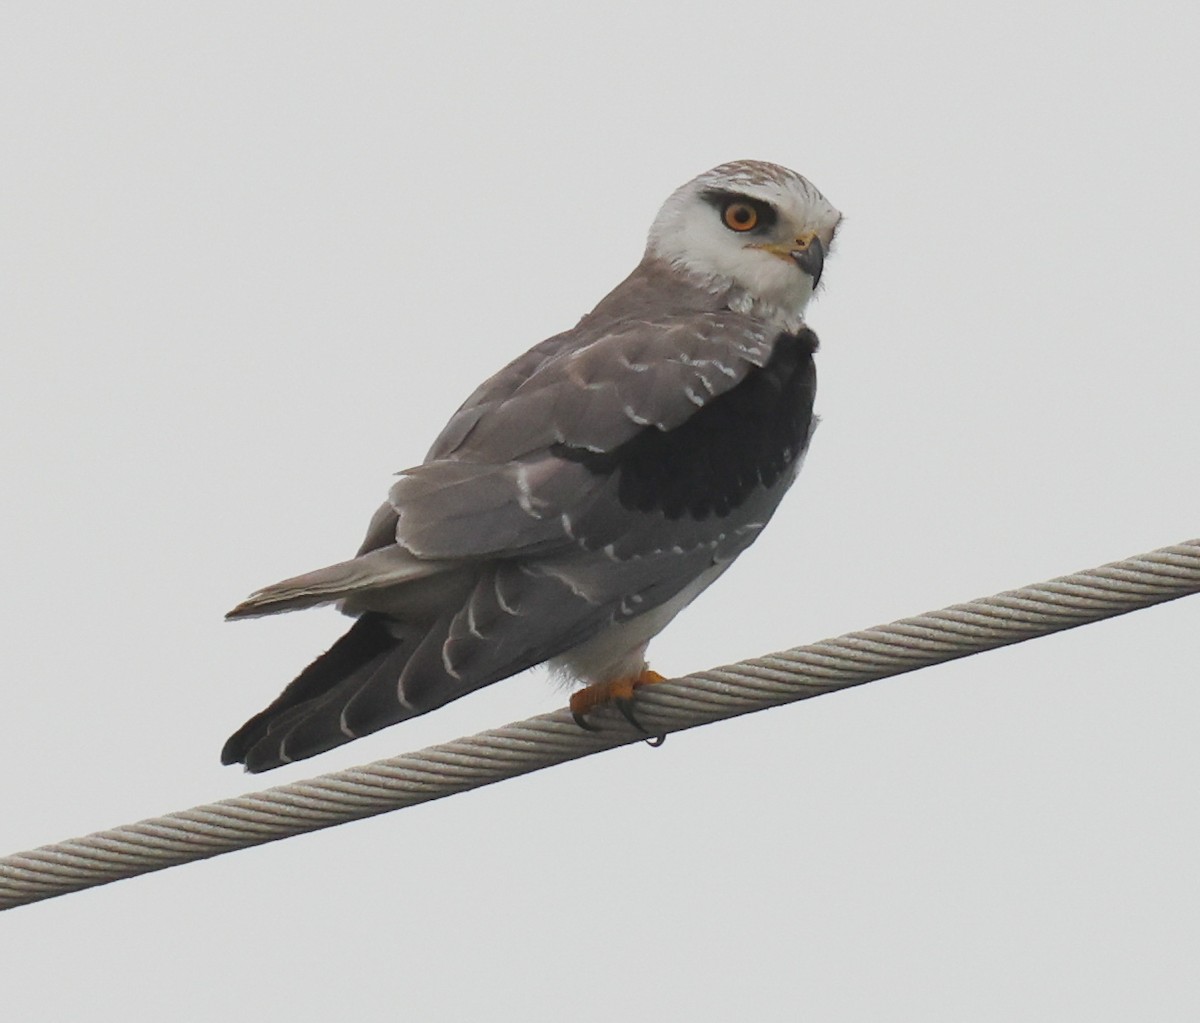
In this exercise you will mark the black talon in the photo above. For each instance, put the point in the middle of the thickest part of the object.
(654, 741)
(582, 722)
(626, 709)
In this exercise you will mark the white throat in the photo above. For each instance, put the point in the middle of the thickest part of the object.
(780, 302)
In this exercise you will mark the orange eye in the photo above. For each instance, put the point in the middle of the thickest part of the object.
(740, 216)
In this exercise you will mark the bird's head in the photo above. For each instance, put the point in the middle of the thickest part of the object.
(756, 229)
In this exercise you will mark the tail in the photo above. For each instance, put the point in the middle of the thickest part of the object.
(308, 717)
(375, 570)
(482, 625)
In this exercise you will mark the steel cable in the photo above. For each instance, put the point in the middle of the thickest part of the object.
(551, 739)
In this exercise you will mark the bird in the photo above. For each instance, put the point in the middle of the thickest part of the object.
(586, 493)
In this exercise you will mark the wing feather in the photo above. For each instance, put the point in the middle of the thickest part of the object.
(504, 486)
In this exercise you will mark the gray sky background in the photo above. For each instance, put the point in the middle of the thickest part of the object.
(253, 255)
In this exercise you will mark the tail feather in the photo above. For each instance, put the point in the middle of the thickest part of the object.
(368, 644)
(390, 667)
(323, 725)
(387, 566)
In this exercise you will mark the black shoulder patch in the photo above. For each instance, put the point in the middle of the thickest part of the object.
(742, 439)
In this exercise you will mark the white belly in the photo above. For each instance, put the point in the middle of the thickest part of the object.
(620, 650)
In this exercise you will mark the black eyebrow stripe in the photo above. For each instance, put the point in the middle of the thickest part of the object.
(720, 198)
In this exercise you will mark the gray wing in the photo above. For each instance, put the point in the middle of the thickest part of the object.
(502, 479)
(688, 437)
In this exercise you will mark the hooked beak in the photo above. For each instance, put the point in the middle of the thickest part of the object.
(807, 252)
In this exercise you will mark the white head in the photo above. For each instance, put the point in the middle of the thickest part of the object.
(756, 229)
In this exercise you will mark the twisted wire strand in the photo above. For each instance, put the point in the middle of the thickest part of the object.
(550, 739)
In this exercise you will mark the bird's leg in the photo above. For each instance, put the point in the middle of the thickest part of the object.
(618, 692)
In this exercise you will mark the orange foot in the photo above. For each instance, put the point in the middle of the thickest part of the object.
(618, 692)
